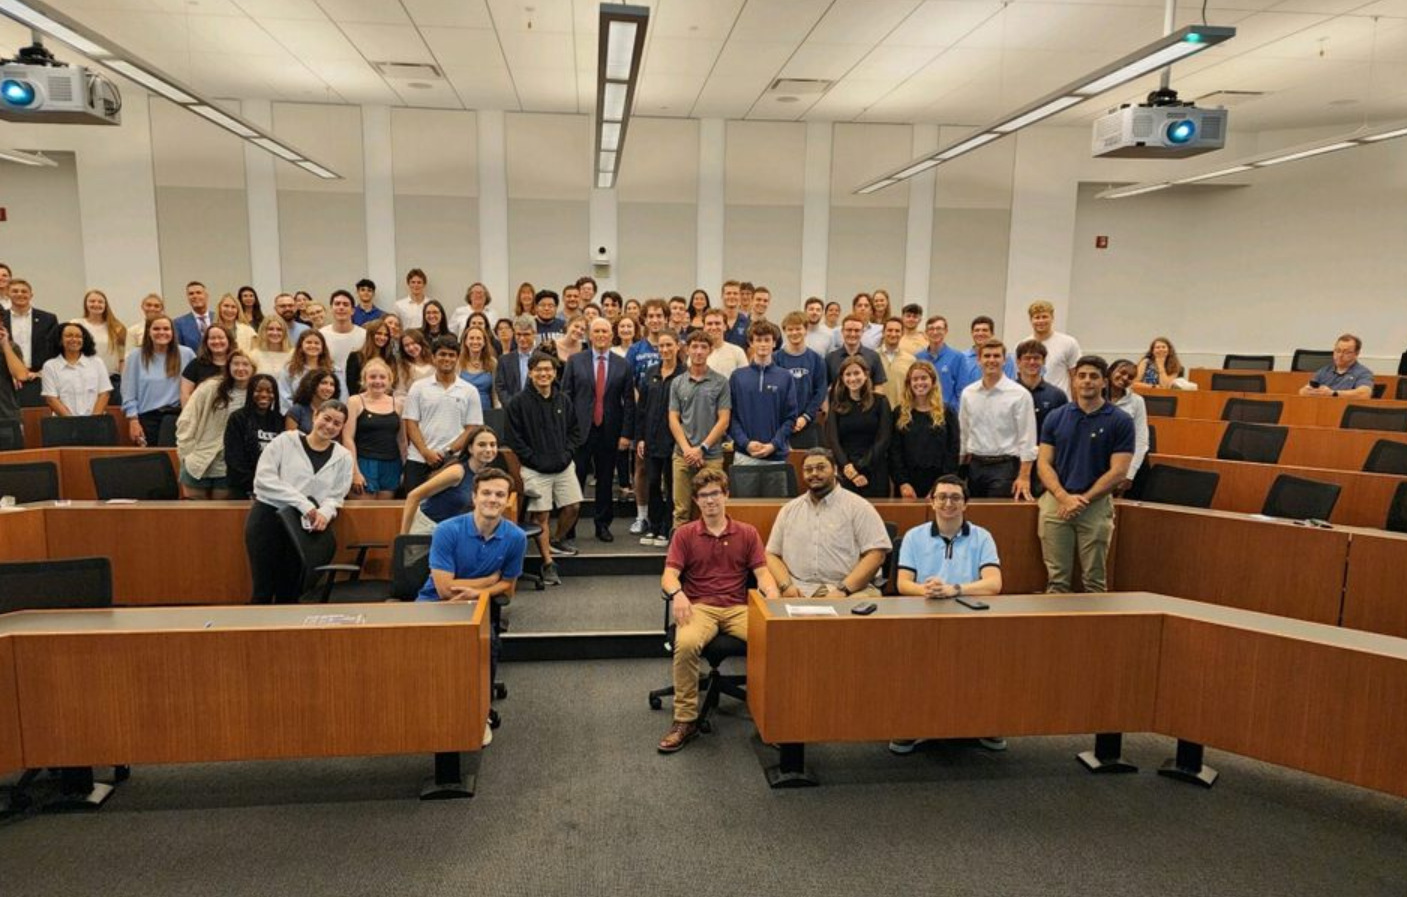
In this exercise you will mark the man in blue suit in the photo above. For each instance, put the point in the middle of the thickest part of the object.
(191, 326)
(511, 375)
(601, 390)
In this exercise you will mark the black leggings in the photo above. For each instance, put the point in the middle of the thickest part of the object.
(659, 474)
(273, 561)
(150, 422)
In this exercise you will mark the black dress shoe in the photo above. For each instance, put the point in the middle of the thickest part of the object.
(604, 535)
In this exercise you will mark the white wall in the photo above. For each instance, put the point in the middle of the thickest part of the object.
(435, 164)
(764, 192)
(43, 232)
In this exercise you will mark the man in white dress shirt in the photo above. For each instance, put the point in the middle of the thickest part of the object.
(411, 308)
(997, 420)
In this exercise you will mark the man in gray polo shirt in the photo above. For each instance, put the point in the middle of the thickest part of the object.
(700, 408)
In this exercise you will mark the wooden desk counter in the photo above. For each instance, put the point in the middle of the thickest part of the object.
(1259, 564)
(22, 536)
(1304, 446)
(1375, 598)
(11, 743)
(1279, 383)
(1244, 486)
(75, 474)
(1296, 411)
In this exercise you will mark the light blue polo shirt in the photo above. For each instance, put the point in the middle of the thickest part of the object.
(926, 553)
(458, 548)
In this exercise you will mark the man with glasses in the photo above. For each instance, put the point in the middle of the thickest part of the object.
(945, 559)
(1345, 375)
(828, 541)
(705, 579)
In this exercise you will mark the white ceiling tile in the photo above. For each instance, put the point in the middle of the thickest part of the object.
(725, 97)
(830, 61)
(389, 43)
(450, 13)
(865, 22)
(941, 23)
(193, 7)
(711, 20)
(355, 81)
(893, 64)
(546, 91)
(463, 48)
(218, 34)
(848, 99)
(302, 10)
(676, 56)
(484, 87)
(537, 50)
(437, 95)
(312, 40)
(779, 20)
(547, 16)
(380, 12)
(663, 97)
(756, 60)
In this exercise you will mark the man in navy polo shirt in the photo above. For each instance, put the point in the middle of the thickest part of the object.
(1086, 449)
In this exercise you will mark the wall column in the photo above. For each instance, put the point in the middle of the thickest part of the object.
(918, 250)
(261, 196)
(1045, 188)
(816, 212)
(713, 149)
(379, 193)
(493, 203)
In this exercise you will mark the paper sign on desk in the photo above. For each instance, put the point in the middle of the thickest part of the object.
(334, 619)
(811, 610)
(121, 501)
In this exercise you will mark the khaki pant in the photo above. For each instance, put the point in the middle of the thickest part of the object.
(1088, 533)
(689, 640)
(684, 486)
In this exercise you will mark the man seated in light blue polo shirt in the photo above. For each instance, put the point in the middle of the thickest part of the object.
(479, 554)
(945, 559)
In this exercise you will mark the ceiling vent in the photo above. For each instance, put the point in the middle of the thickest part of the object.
(1228, 98)
(410, 71)
(800, 87)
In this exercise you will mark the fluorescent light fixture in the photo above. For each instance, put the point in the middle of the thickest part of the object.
(1159, 54)
(918, 168)
(278, 149)
(23, 158)
(613, 105)
(1305, 154)
(1057, 105)
(47, 20)
(1389, 135)
(1219, 173)
(610, 135)
(30, 14)
(318, 170)
(1137, 190)
(149, 81)
(620, 46)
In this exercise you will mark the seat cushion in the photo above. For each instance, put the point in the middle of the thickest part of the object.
(722, 647)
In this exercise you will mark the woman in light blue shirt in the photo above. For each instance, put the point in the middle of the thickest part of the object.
(151, 381)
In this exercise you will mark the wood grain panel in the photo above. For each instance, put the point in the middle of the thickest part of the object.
(1297, 411)
(11, 745)
(33, 430)
(1322, 708)
(1271, 566)
(869, 679)
(162, 697)
(1282, 382)
(78, 474)
(1323, 447)
(1374, 597)
(1243, 487)
(22, 535)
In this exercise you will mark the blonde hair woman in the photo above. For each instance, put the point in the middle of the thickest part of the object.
(375, 433)
(109, 334)
(227, 315)
(272, 348)
(924, 441)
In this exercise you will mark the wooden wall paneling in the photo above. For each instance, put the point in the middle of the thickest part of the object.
(1282, 382)
(11, 744)
(22, 535)
(1375, 599)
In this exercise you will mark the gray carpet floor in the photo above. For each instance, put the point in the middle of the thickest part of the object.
(574, 800)
(590, 603)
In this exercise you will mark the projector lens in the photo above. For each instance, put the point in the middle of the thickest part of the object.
(17, 93)
(1181, 132)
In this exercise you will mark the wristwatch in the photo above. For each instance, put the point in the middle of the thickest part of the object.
(671, 595)
(957, 586)
(843, 589)
(784, 586)
(1335, 393)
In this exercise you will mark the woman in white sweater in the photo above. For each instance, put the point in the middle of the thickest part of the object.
(1122, 396)
(200, 430)
(311, 472)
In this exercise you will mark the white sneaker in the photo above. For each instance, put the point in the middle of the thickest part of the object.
(661, 541)
(647, 539)
(904, 745)
(640, 526)
(993, 743)
(488, 735)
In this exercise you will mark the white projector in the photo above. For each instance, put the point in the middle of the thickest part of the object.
(57, 94)
(1159, 132)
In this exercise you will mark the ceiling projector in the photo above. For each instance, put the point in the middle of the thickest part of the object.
(37, 88)
(1162, 128)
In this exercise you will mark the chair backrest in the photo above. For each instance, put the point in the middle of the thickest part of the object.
(1171, 485)
(313, 549)
(1258, 443)
(1161, 406)
(1401, 393)
(810, 438)
(1253, 411)
(11, 436)
(1387, 456)
(1248, 363)
(410, 566)
(30, 395)
(1397, 511)
(1311, 360)
(775, 480)
(1364, 417)
(496, 419)
(166, 435)
(1152, 439)
(891, 560)
(1238, 382)
(1296, 498)
(87, 429)
(31, 481)
(55, 585)
(144, 477)
(1379, 390)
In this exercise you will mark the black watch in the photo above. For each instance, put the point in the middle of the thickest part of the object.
(671, 595)
(843, 589)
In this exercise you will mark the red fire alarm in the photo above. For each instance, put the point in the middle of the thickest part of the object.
(2, 213)
(1101, 242)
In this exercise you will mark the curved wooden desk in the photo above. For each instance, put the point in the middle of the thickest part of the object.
(1283, 382)
(1296, 411)
(1304, 446)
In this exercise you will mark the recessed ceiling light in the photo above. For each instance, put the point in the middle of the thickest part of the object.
(788, 99)
(418, 85)
(1345, 102)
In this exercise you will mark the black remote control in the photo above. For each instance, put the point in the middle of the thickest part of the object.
(865, 609)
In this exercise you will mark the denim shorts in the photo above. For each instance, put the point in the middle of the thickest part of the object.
(381, 476)
(195, 482)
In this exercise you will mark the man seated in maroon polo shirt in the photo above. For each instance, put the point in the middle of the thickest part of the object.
(705, 577)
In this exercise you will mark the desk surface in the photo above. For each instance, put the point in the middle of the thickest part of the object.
(225, 618)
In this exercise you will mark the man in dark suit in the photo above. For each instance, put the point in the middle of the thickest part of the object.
(601, 390)
(511, 375)
(31, 329)
(191, 326)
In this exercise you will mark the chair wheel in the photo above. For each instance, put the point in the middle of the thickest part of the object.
(539, 585)
(121, 773)
(494, 719)
(655, 703)
(500, 691)
(705, 727)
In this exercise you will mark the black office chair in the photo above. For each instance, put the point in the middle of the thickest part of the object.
(1310, 360)
(166, 435)
(1161, 406)
(808, 438)
(1401, 393)
(773, 480)
(1387, 456)
(30, 395)
(1257, 443)
(1253, 411)
(1168, 484)
(1364, 417)
(1296, 498)
(67, 584)
(146, 476)
(35, 481)
(1379, 390)
(1397, 511)
(1248, 363)
(11, 436)
(1238, 382)
(1152, 439)
(88, 429)
(496, 419)
(712, 684)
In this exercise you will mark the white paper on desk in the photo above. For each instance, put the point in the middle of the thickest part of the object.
(121, 501)
(811, 610)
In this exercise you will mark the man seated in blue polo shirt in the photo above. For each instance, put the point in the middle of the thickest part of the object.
(479, 554)
(1345, 375)
(1085, 452)
(945, 559)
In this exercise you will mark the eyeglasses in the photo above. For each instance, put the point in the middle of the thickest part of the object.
(948, 499)
(709, 496)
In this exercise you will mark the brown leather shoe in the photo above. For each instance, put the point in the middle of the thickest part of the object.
(678, 735)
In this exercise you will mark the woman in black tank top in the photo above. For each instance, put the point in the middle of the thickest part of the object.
(375, 434)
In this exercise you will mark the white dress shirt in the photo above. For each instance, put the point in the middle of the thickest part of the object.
(998, 421)
(818, 339)
(77, 385)
(411, 313)
(22, 332)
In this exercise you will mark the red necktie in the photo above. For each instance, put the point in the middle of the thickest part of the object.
(598, 410)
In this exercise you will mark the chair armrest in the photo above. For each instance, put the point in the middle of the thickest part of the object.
(369, 545)
(338, 568)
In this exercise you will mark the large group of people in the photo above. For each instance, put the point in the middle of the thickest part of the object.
(307, 404)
